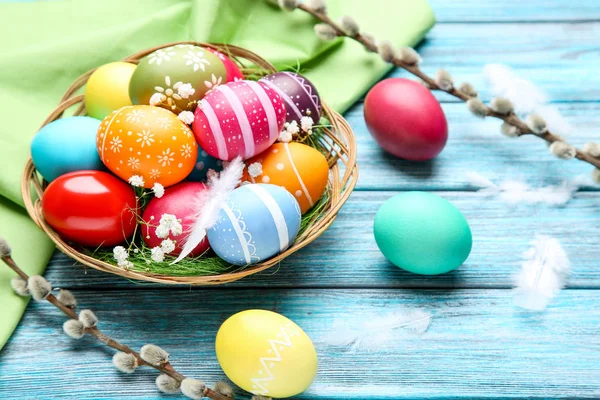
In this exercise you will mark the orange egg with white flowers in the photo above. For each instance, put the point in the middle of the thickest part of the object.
(147, 141)
(300, 169)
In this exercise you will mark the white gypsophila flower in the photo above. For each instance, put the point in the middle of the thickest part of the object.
(125, 264)
(255, 169)
(162, 231)
(293, 127)
(285, 136)
(187, 117)
(185, 90)
(136, 180)
(158, 189)
(120, 253)
(167, 246)
(157, 255)
(306, 123)
(167, 220)
(211, 174)
(176, 228)
(156, 99)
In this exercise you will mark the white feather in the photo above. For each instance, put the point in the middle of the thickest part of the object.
(514, 191)
(526, 97)
(377, 333)
(210, 202)
(543, 273)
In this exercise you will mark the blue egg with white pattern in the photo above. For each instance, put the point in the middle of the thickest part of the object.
(66, 145)
(257, 222)
(204, 163)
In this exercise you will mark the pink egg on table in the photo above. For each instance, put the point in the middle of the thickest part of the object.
(405, 119)
(231, 68)
(240, 118)
(179, 200)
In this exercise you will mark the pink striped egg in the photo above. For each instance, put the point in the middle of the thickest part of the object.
(240, 118)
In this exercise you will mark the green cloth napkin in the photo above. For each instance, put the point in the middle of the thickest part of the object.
(46, 45)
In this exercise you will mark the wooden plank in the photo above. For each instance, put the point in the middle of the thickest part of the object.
(346, 255)
(559, 57)
(478, 345)
(475, 145)
(515, 10)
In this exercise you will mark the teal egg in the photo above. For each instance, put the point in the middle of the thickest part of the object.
(66, 145)
(422, 233)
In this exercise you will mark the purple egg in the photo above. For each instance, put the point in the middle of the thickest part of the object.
(299, 94)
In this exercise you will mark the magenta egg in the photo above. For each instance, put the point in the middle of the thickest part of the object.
(299, 94)
(240, 118)
(231, 68)
(405, 119)
(180, 200)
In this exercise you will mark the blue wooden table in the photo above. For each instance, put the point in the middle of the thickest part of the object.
(479, 345)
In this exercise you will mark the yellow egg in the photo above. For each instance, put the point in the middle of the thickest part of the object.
(266, 354)
(107, 89)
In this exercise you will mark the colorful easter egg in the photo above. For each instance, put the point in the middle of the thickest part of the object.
(240, 118)
(299, 94)
(147, 141)
(266, 354)
(66, 145)
(91, 208)
(107, 89)
(422, 233)
(232, 70)
(300, 169)
(179, 200)
(257, 222)
(178, 75)
(204, 164)
(405, 119)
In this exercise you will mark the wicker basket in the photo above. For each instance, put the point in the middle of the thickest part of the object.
(338, 141)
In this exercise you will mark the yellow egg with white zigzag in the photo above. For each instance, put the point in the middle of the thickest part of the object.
(266, 354)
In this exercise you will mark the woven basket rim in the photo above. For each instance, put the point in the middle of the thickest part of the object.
(339, 141)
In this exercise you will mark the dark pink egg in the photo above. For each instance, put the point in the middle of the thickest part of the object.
(299, 94)
(406, 119)
(240, 118)
(180, 200)
(231, 68)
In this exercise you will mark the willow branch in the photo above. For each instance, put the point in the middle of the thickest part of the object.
(510, 118)
(94, 331)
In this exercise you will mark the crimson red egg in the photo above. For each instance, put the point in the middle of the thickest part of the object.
(405, 119)
(232, 70)
(180, 200)
(91, 208)
(240, 118)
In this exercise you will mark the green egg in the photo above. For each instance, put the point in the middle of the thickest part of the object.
(422, 233)
(166, 72)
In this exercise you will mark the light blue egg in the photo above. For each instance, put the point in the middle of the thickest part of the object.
(204, 163)
(258, 222)
(66, 145)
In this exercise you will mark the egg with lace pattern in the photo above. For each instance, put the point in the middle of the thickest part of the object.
(300, 169)
(240, 118)
(257, 222)
(266, 354)
(299, 94)
(149, 142)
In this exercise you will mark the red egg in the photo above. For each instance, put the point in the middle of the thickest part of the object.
(231, 68)
(180, 200)
(240, 118)
(406, 119)
(91, 208)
